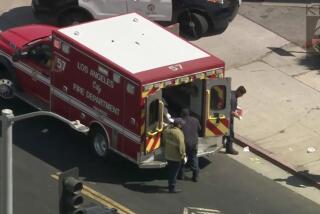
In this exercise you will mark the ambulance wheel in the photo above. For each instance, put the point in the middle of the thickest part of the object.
(7, 86)
(73, 17)
(193, 25)
(99, 142)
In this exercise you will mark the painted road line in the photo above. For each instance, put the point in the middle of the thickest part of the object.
(102, 199)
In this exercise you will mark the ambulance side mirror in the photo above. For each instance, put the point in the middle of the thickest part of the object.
(18, 54)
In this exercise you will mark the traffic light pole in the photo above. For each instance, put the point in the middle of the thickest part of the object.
(6, 197)
(6, 163)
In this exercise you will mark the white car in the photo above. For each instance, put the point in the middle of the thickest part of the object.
(197, 18)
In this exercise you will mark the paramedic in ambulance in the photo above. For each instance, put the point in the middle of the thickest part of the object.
(239, 92)
(174, 151)
(191, 130)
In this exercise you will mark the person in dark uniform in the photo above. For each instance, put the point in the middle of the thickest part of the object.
(173, 140)
(191, 130)
(239, 92)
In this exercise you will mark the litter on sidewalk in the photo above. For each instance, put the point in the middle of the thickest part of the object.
(311, 149)
(246, 149)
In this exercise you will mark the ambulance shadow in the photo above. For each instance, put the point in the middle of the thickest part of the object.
(17, 17)
(56, 144)
(61, 147)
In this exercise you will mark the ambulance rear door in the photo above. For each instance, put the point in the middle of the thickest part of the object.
(159, 10)
(216, 115)
(154, 121)
(217, 107)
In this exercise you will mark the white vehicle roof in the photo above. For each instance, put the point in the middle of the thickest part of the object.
(133, 42)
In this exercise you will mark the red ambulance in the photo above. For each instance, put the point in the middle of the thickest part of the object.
(114, 75)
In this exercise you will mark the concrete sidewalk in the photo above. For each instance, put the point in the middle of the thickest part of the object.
(282, 106)
(283, 111)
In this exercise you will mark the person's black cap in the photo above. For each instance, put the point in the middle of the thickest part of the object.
(185, 112)
(179, 121)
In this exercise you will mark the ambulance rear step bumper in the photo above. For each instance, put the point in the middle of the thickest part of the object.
(209, 151)
(38, 104)
(152, 160)
(152, 164)
(209, 145)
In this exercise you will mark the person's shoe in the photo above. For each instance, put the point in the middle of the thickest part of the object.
(195, 179)
(180, 177)
(232, 152)
(176, 190)
(223, 144)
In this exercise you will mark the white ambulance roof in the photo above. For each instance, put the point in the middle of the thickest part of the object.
(133, 42)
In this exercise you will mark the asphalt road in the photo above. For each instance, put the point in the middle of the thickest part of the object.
(44, 146)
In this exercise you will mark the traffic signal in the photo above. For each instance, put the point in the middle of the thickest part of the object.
(70, 199)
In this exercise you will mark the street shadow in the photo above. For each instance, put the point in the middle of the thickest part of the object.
(151, 188)
(145, 188)
(312, 61)
(301, 179)
(17, 17)
(281, 51)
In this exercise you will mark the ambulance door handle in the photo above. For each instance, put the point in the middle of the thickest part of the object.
(217, 116)
(65, 89)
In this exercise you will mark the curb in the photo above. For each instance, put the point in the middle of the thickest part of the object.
(271, 157)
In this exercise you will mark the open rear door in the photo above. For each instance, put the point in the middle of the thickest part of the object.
(154, 121)
(217, 114)
(218, 107)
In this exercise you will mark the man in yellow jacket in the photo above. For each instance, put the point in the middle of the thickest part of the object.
(173, 140)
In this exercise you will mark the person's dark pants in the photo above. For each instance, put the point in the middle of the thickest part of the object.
(230, 138)
(192, 163)
(173, 170)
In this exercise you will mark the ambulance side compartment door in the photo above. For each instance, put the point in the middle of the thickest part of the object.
(217, 107)
(159, 10)
(154, 121)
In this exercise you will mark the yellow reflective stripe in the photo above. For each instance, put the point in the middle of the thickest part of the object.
(222, 128)
(150, 143)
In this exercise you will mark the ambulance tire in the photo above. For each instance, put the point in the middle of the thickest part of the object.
(72, 17)
(193, 25)
(99, 142)
(8, 83)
